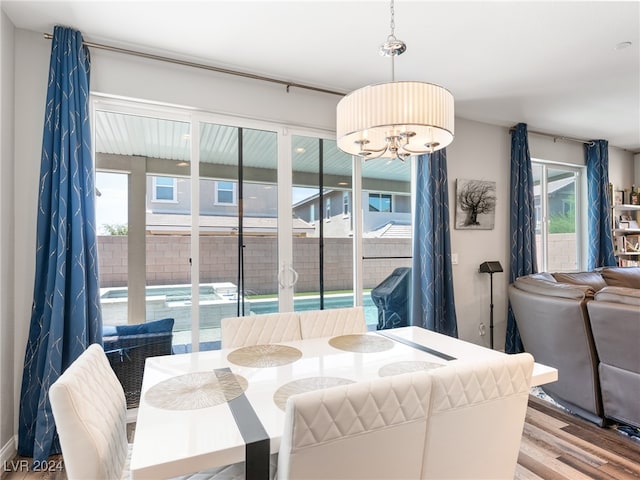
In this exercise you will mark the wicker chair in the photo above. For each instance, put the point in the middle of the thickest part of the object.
(128, 346)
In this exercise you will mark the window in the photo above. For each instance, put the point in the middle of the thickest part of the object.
(345, 204)
(164, 189)
(379, 202)
(169, 192)
(557, 197)
(225, 193)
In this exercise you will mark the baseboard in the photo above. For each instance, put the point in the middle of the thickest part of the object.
(8, 451)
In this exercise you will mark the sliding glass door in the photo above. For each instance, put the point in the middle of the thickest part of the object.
(322, 230)
(238, 225)
(278, 219)
(143, 213)
(386, 241)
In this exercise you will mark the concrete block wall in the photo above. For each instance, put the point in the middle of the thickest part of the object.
(562, 252)
(168, 261)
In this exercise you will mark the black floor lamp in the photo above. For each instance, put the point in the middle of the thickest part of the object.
(490, 268)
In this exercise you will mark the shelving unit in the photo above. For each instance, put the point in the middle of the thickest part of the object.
(626, 234)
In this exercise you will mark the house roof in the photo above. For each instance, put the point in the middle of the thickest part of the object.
(391, 230)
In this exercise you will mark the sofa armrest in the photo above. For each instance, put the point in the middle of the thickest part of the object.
(628, 296)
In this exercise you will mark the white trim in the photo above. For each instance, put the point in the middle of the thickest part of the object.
(285, 273)
(9, 450)
(579, 181)
(169, 111)
(358, 227)
(194, 183)
(568, 165)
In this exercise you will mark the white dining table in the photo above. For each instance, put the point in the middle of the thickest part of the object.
(207, 409)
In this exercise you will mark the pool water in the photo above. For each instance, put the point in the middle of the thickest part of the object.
(301, 304)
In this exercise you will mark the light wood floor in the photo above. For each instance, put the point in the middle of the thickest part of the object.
(558, 446)
(555, 446)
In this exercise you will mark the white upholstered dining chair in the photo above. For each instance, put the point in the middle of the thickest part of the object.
(90, 412)
(476, 417)
(332, 322)
(461, 421)
(364, 430)
(251, 330)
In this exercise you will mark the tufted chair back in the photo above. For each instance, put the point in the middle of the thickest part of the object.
(332, 322)
(259, 329)
(476, 417)
(461, 421)
(363, 430)
(90, 412)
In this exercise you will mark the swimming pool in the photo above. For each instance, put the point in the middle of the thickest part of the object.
(301, 304)
(217, 301)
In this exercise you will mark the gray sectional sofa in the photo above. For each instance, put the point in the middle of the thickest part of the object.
(587, 325)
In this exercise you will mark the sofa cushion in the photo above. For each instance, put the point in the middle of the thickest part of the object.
(621, 276)
(164, 325)
(593, 279)
(552, 288)
(628, 296)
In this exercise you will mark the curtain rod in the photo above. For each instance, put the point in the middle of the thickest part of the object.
(557, 137)
(227, 71)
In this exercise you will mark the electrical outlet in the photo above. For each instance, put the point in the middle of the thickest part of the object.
(482, 330)
(454, 259)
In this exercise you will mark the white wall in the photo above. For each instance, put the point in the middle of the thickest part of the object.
(621, 169)
(7, 408)
(479, 151)
(31, 67)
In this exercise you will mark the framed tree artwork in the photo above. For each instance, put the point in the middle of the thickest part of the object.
(475, 204)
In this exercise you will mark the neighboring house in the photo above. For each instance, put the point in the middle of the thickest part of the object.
(384, 214)
(169, 195)
(561, 198)
(169, 208)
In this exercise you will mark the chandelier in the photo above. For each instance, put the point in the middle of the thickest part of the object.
(395, 119)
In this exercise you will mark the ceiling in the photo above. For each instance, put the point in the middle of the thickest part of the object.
(555, 65)
(126, 134)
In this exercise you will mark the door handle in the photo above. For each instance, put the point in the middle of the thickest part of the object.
(283, 274)
(295, 277)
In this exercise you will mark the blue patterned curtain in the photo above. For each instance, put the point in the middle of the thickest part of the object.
(66, 314)
(599, 210)
(522, 224)
(432, 277)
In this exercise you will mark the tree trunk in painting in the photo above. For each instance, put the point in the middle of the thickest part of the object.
(476, 197)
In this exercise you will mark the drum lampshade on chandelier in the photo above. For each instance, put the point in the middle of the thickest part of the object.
(396, 119)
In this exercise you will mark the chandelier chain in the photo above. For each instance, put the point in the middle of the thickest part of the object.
(393, 21)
